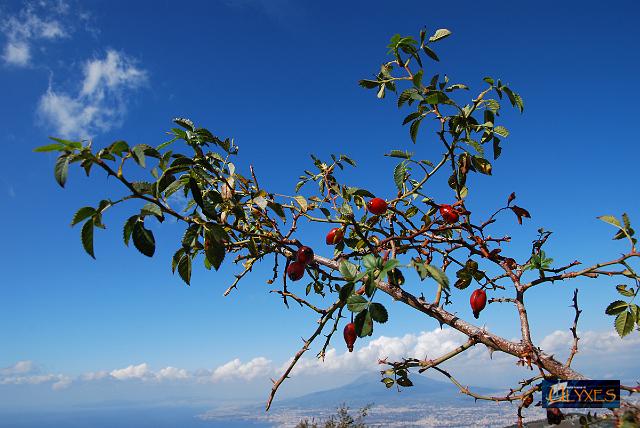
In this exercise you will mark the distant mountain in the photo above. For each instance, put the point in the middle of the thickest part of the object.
(368, 389)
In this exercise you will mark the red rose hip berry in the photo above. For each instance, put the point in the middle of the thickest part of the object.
(350, 335)
(304, 255)
(335, 236)
(377, 206)
(478, 301)
(295, 271)
(449, 214)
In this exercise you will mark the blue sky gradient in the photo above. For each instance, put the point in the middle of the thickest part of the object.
(281, 78)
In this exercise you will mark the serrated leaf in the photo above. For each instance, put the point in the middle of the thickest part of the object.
(357, 303)
(348, 270)
(87, 237)
(624, 323)
(437, 274)
(399, 175)
(501, 131)
(622, 289)
(61, 169)
(378, 313)
(302, 201)
(49, 148)
(151, 209)
(388, 382)
(138, 155)
(430, 53)
(184, 268)
(616, 307)
(611, 220)
(404, 381)
(81, 214)
(364, 324)
(400, 154)
(185, 123)
(413, 129)
(440, 34)
(214, 249)
(143, 239)
(128, 229)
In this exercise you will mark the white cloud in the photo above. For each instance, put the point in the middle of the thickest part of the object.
(16, 53)
(132, 372)
(172, 373)
(598, 350)
(235, 369)
(36, 21)
(591, 342)
(100, 103)
(21, 367)
(27, 373)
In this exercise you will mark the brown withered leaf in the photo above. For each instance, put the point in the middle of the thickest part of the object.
(520, 212)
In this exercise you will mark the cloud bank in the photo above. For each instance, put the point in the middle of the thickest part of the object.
(597, 349)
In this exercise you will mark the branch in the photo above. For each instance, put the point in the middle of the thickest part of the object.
(491, 340)
(574, 328)
(323, 321)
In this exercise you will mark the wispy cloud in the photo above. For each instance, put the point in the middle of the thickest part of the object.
(99, 104)
(35, 22)
(26, 372)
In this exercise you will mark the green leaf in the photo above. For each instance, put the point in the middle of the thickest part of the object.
(622, 289)
(61, 169)
(611, 220)
(143, 239)
(346, 291)
(413, 129)
(624, 323)
(49, 148)
(400, 154)
(438, 275)
(87, 237)
(404, 381)
(399, 175)
(440, 34)
(348, 270)
(430, 53)
(501, 131)
(184, 268)
(388, 382)
(81, 214)
(214, 249)
(185, 123)
(128, 229)
(378, 313)
(370, 262)
(357, 303)
(118, 147)
(369, 84)
(152, 209)
(302, 202)
(138, 155)
(616, 307)
(364, 324)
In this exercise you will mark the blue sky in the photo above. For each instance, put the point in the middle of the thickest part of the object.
(281, 78)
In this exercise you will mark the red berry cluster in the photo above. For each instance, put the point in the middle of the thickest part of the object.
(304, 256)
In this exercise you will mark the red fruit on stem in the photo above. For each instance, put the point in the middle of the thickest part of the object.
(449, 214)
(350, 335)
(478, 301)
(295, 271)
(335, 236)
(377, 206)
(304, 255)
